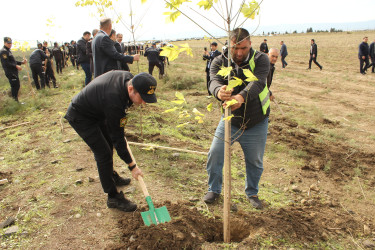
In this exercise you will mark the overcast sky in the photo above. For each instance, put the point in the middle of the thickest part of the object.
(27, 19)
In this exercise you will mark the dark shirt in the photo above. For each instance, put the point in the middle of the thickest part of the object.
(152, 55)
(250, 113)
(37, 57)
(270, 77)
(120, 64)
(105, 99)
(82, 56)
(210, 58)
(283, 50)
(314, 50)
(8, 62)
(105, 55)
(363, 49)
(264, 47)
(372, 50)
(57, 54)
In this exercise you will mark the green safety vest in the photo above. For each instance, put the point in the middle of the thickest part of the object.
(264, 96)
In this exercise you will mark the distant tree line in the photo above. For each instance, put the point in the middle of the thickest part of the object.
(309, 30)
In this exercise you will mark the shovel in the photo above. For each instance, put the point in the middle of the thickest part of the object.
(154, 215)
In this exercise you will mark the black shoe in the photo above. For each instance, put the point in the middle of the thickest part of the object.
(120, 202)
(120, 181)
(363, 73)
(254, 200)
(210, 197)
(321, 68)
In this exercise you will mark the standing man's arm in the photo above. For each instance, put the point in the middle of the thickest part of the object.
(109, 49)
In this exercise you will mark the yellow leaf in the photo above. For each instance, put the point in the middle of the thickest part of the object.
(230, 103)
(182, 125)
(234, 83)
(250, 76)
(206, 4)
(207, 39)
(209, 107)
(170, 110)
(228, 118)
(170, 52)
(224, 71)
(143, 1)
(172, 16)
(179, 96)
(250, 10)
(199, 119)
(196, 112)
(178, 102)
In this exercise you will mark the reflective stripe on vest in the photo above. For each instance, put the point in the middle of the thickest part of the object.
(264, 96)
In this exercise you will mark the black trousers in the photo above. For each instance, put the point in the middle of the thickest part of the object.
(59, 66)
(37, 70)
(151, 66)
(50, 75)
(208, 81)
(372, 64)
(96, 136)
(14, 84)
(313, 59)
(362, 68)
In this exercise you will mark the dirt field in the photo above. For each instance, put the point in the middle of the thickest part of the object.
(318, 183)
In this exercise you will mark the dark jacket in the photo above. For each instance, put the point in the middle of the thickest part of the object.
(8, 62)
(57, 54)
(210, 58)
(264, 47)
(105, 99)
(82, 56)
(152, 55)
(120, 64)
(363, 50)
(283, 50)
(249, 90)
(270, 77)
(372, 50)
(37, 57)
(314, 50)
(105, 55)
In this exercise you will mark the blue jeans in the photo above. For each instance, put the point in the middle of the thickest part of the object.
(253, 143)
(86, 68)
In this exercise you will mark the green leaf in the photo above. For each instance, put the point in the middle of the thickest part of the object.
(228, 118)
(230, 103)
(224, 71)
(209, 107)
(234, 83)
(250, 10)
(182, 125)
(250, 76)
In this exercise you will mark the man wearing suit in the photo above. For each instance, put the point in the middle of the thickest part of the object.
(283, 54)
(209, 57)
(372, 56)
(104, 53)
(122, 65)
(264, 46)
(314, 54)
(363, 53)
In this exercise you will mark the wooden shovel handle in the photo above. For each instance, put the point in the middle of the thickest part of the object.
(143, 186)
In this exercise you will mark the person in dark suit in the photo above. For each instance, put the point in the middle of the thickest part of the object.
(273, 54)
(58, 56)
(209, 57)
(283, 54)
(153, 57)
(372, 56)
(363, 53)
(105, 55)
(264, 46)
(122, 65)
(314, 54)
(89, 50)
(82, 57)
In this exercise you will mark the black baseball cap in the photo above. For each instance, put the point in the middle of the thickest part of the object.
(145, 84)
(7, 40)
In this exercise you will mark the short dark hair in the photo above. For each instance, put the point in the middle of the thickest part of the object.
(214, 43)
(313, 40)
(365, 37)
(39, 45)
(86, 33)
(112, 32)
(239, 34)
(104, 22)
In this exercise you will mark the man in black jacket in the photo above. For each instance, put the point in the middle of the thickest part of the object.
(104, 53)
(264, 46)
(273, 54)
(249, 123)
(372, 56)
(58, 55)
(11, 67)
(209, 57)
(36, 60)
(283, 54)
(82, 58)
(363, 53)
(98, 115)
(153, 57)
(89, 50)
(122, 65)
(49, 74)
(314, 54)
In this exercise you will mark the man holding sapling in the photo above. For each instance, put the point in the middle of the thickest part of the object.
(98, 115)
(250, 121)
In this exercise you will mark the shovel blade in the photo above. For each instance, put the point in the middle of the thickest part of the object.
(156, 216)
